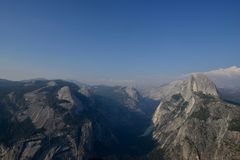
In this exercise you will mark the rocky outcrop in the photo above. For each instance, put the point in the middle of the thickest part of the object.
(39, 121)
(65, 94)
(85, 91)
(194, 83)
(47, 120)
(201, 83)
(193, 123)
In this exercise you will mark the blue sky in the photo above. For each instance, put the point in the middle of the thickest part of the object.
(117, 39)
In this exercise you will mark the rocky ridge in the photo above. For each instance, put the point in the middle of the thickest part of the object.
(56, 119)
(194, 123)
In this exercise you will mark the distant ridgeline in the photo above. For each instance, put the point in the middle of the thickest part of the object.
(43, 119)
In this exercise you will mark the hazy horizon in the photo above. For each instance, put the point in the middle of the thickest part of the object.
(123, 41)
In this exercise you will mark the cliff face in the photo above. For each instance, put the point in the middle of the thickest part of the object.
(42, 121)
(59, 120)
(194, 83)
(194, 123)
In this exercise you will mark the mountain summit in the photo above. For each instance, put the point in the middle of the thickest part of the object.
(58, 119)
(194, 83)
(194, 123)
(201, 83)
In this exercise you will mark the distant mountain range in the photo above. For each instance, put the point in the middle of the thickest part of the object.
(227, 81)
(42, 119)
(55, 119)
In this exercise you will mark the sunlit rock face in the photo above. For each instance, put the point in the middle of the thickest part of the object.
(194, 123)
(194, 83)
(85, 91)
(65, 94)
(201, 83)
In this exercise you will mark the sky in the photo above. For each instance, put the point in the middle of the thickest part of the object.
(118, 40)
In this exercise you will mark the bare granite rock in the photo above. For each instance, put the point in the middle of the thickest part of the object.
(195, 124)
